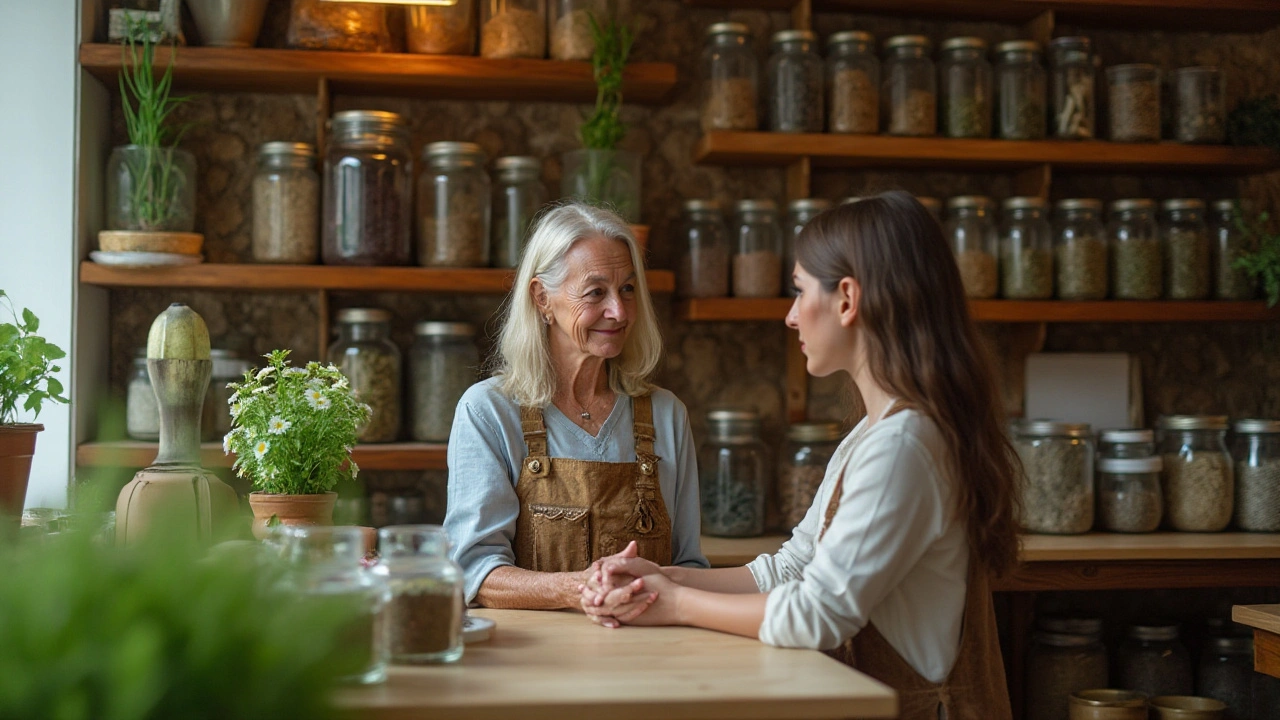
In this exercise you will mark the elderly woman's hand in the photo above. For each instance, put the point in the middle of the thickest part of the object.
(656, 605)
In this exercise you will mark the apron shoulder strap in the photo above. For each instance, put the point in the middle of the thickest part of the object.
(642, 419)
(534, 429)
(832, 505)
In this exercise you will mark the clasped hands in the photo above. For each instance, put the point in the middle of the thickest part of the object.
(626, 588)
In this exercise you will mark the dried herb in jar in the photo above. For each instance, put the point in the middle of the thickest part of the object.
(730, 105)
(757, 274)
(855, 102)
(571, 37)
(967, 117)
(1135, 112)
(1258, 496)
(1027, 274)
(455, 237)
(797, 486)
(286, 218)
(1131, 508)
(1138, 269)
(514, 33)
(375, 378)
(978, 272)
(423, 618)
(1082, 267)
(915, 115)
(1187, 263)
(1198, 491)
(1058, 486)
(703, 273)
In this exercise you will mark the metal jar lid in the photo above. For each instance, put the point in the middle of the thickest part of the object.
(1130, 68)
(518, 163)
(724, 415)
(1153, 632)
(961, 202)
(1053, 428)
(964, 43)
(1193, 422)
(809, 205)
(1232, 645)
(734, 425)
(367, 120)
(728, 28)
(1197, 70)
(1071, 625)
(850, 36)
(363, 315)
(1257, 425)
(1233, 205)
(437, 328)
(1127, 435)
(1064, 639)
(1182, 204)
(1131, 466)
(701, 206)
(1015, 46)
(288, 149)
(1080, 204)
(757, 205)
(449, 149)
(907, 41)
(786, 36)
(814, 431)
(1133, 204)
(1031, 202)
(1071, 42)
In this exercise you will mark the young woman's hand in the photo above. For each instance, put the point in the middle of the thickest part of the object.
(656, 605)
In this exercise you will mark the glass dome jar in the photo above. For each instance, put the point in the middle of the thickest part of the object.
(142, 409)
(443, 363)
(909, 87)
(1137, 267)
(1080, 249)
(1126, 443)
(1072, 88)
(517, 197)
(1200, 110)
(1020, 91)
(730, 79)
(513, 29)
(286, 204)
(703, 268)
(1129, 497)
(1229, 245)
(441, 29)
(368, 190)
(964, 88)
(1057, 464)
(453, 206)
(799, 213)
(853, 83)
(971, 230)
(424, 616)
(1257, 471)
(1133, 94)
(795, 75)
(1198, 479)
(733, 468)
(1226, 673)
(1059, 664)
(1154, 662)
(757, 258)
(1187, 255)
(365, 354)
(802, 465)
(1026, 250)
(570, 27)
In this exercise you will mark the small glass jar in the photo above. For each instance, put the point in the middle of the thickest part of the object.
(1020, 91)
(354, 27)
(933, 205)
(853, 83)
(1198, 479)
(1187, 251)
(909, 88)
(1059, 664)
(142, 409)
(513, 29)
(794, 75)
(365, 354)
(703, 268)
(802, 465)
(423, 619)
(286, 204)
(1200, 114)
(1057, 463)
(799, 213)
(1226, 674)
(1229, 245)
(569, 27)
(1153, 662)
(453, 206)
(730, 79)
(441, 29)
(1133, 95)
(1026, 250)
(757, 257)
(1072, 88)
(215, 416)
(1126, 443)
(443, 363)
(971, 230)
(1129, 497)
(1137, 267)
(1080, 249)
(964, 88)
(733, 468)
(517, 197)
(1257, 470)
(368, 190)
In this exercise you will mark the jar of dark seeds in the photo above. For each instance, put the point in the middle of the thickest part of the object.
(972, 232)
(730, 78)
(1129, 497)
(368, 190)
(371, 362)
(734, 474)
(1059, 664)
(513, 29)
(1057, 464)
(853, 83)
(801, 466)
(443, 363)
(703, 268)
(795, 79)
(1154, 662)
(964, 88)
(1133, 95)
(1080, 248)
(286, 200)
(453, 206)
(909, 88)
(757, 257)
(1187, 256)
(799, 213)
(1020, 91)
(518, 195)
(1026, 250)
(1257, 460)
(1126, 443)
(1229, 245)
(423, 620)
(1137, 267)
(1200, 107)
(142, 409)
(1198, 480)
(1226, 674)
(1071, 88)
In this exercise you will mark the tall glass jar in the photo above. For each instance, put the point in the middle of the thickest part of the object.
(1057, 464)
(1226, 674)
(453, 206)
(441, 29)
(1187, 252)
(1154, 662)
(1133, 95)
(142, 409)
(975, 243)
(368, 190)
(730, 79)
(1200, 110)
(569, 27)
(802, 465)
(853, 83)
(1257, 456)
(513, 29)
(1126, 443)
(1072, 88)
(1026, 250)
(1129, 497)
(286, 200)
(1080, 247)
(517, 197)
(703, 268)
(795, 83)
(354, 27)
(1198, 480)
(757, 258)
(1137, 268)
(909, 88)
(1020, 91)
(964, 88)
(734, 467)
(443, 363)
(424, 616)
(1059, 664)
(1229, 245)
(799, 213)
(365, 354)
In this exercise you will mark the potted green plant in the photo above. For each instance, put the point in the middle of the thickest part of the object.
(292, 432)
(1263, 260)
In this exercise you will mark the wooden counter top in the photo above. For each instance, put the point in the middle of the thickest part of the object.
(559, 665)
(1259, 617)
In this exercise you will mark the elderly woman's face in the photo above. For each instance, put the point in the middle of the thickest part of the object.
(595, 306)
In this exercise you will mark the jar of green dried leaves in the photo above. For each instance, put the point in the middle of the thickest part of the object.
(1137, 271)
(1198, 479)
(964, 88)
(1187, 256)
(1026, 250)
(1057, 464)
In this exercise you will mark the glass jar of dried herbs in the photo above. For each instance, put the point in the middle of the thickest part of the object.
(964, 88)
(1200, 105)
(1153, 661)
(1059, 664)
(441, 29)
(795, 79)
(1129, 496)
(1072, 83)
(1257, 456)
(286, 199)
(1080, 249)
(424, 616)
(799, 213)
(1137, 268)
(730, 79)
(453, 206)
(971, 229)
(1198, 480)
(1057, 465)
(909, 87)
(1230, 244)
(1026, 250)
(1187, 253)
(757, 257)
(734, 474)
(367, 205)
(570, 27)
(1133, 95)
(513, 29)
(853, 83)
(443, 363)
(703, 268)
(1020, 91)
(371, 362)
(518, 195)
(802, 465)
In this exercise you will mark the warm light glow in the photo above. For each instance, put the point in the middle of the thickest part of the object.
(436, 3)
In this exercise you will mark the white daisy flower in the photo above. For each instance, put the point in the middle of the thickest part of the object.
(278, 425)
(265, 372)
(226, 442)
(314, 396)
(261, 389)
(235, 410)
(294, 371)
(340, 383)
(321, 403)
(261, 448)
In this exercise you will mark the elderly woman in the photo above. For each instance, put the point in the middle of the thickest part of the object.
(568, 453)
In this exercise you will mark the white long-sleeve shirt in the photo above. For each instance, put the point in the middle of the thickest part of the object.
(895, 555)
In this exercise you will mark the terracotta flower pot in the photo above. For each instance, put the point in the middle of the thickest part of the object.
(291, 510)
(17, 445)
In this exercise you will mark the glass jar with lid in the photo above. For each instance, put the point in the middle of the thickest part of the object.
(1257, 456)
(142, 409)
(971, 230)
(733, 474)
(443, 363)
(1133, 99)
(1129, 497)
(320, 25)
(730, 79)
(1020, 91)
(964, 88)
(1229, 245)
(795, 83)
(1200, 105)
(286, 204)
(909, 87)
(1059, 664)
(441, 28)
(1057, 464)
(1072, 88)
(424, 615)
(570, 27)
(1226, 673)
(1187, 252)
(453, 206)
(802, 465)
(1154, 662)
(1126, 443)
(1198, 479)
(853, 83)
(1137, 267)
(365, 354)
(1026, 250)
(513, 29)
(1080, 248)
(368, 190)
(215, 416)
(517, 197)
(757, 257)
(933, 205)
(703, 268)
(799, 213)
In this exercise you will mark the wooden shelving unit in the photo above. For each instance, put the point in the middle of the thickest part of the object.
(389, 456)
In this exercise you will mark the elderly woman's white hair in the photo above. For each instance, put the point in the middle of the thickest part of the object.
(524, 353)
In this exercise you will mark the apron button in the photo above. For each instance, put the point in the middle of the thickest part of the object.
(535, 466)
(646, 468)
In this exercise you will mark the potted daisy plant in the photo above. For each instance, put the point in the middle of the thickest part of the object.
(292, 432)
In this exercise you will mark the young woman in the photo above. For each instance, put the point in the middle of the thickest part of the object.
(888, 570)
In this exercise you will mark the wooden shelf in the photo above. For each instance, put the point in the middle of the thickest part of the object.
(264, 70)
(1030, 311)
(389, 456)
(249, 276)
(885, 151)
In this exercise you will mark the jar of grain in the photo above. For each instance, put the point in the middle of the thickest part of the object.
(1226, 673)
(1129, 497)
(365, 354)
(443, 363)
(730, 78)
(801, 466)
(1198, 478)
(1230, 243)
(1200, 110)
(1126, 443)
(424, 616)
(1059, 664)
(1026, 250)
(799, 213)
(441, 29)
(368, 190)
(703, 268)
(353, 27)
(453, 206)
(972, 231)
(1187, 252)
(1133, 94)
(909, 88)
(1257, 456)
(513, 29)
(795, 83)
(1020, 91)
(1154, 662)
(142, 409)
(734, 474)
(1080, 248)
(518, 195)
(964, 88)
(1071, 88)
(286, 200)
(757, 258)
(933, 205)
(1137, 268)
(853, 83)
(570, 27)
(1057, 464)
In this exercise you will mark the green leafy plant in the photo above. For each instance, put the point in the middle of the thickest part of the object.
(26, 366)
(1263, 260)
(293, 428)
(1255, 122)
(603, 129)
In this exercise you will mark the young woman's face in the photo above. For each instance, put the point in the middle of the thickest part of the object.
(815, 313)
(592, 311)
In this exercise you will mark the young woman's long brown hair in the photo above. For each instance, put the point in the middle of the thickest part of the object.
(923, 349)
